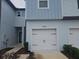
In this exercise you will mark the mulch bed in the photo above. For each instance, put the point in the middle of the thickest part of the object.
(22, 51)
(67, 55)
(4, 51)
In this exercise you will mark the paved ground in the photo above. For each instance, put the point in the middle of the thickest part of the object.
(14, 50)
(23, 56)
(52, 55)
(38, 55)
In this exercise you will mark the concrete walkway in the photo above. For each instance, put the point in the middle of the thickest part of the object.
(14, 50)
(53, 55)
(10, 53)
(23, 56)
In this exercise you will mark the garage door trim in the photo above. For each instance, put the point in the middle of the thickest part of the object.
(56, 35)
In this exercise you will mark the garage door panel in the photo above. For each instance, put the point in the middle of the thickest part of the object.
(44, 39)
(74, 37)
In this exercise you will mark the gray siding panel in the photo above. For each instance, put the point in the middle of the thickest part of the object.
(0, 10)
(70, 8)
(33, 12)
(0, 23)
(8, 30)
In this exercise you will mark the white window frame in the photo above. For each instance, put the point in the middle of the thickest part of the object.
(43, 7)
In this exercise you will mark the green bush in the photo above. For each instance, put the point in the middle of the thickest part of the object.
(72, 51)
(75, 52)
(26, 45)
(67, 49)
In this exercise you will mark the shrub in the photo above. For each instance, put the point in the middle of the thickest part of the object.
(75, 52)
(26, 45)
(67, 49)
(71, 51)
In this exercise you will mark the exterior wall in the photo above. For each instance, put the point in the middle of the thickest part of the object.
(62, 28)
(22, 13)
(0, 10)
(20, 20)
(70, 8)
(65, 8)
(53, 12)
(8, 30)
(0, 23)
(56, 10)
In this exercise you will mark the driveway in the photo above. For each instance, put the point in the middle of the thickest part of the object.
(47, 55)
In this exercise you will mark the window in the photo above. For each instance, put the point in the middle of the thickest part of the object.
(23, 13)
(78, 3)
(18, 14)
(43, 3)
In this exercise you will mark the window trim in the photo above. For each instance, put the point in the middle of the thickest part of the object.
(43, 7)
(18, 13)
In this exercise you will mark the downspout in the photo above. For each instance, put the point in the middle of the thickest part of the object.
(25, 32)
(25, 22)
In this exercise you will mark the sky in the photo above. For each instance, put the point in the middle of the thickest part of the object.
(18, 3)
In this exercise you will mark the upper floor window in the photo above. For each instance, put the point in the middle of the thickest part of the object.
(78, 3)
(43, 3)
(23, 13)
(18, 14)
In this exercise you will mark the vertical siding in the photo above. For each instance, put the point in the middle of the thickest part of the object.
(70, 8)
(20, 20)
(7, 24)
(0, 23)
(33, 12)
(0, 9)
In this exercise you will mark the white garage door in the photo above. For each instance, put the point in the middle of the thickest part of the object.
(43, 40)
(74, 37)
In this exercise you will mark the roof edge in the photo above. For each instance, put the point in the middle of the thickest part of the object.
(71, 18)
(12, 5)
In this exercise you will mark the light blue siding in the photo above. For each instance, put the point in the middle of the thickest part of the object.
(70, 8)
(0, 21)
(8, 30)
(20, 20)
(53, 12)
